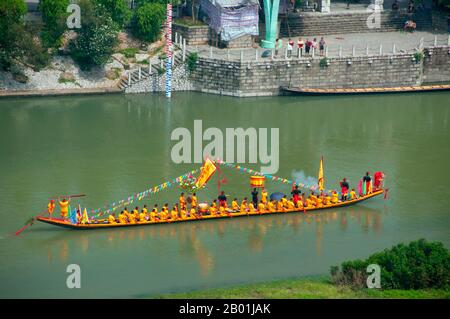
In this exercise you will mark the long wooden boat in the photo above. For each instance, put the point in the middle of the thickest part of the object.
(399, 89)
(105, 224)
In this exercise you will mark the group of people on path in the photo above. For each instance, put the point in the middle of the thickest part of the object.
(304, 48)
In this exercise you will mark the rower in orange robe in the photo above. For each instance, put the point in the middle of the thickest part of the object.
(51, 207)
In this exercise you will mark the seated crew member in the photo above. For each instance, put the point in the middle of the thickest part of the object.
(244, 206)
(280, 206)
(144, 209)
(327, 200)
(136, 213)
(182, 201)
(290, 204)
(222, 199)
(261, 206)
(192, 213)
(234, 205)
(300, 204)
(183, 214)
(271, 206)
(154, 214)
(222, 210)
(123, 218)
(194, 201)
(174, 212)
(353, 194)
(112, 219)
(284, 201)
(319, 201)
(264, 196)
(251, 207)
(143, 216)
(212, 209)
(309, 202)
(131, 219)
(334, 197)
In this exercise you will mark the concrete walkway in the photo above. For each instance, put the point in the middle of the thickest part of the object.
(58, 92)
(405, 42)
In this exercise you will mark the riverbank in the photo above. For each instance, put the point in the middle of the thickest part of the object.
(306, 288)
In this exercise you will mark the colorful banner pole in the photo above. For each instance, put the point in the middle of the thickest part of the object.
(169, 51)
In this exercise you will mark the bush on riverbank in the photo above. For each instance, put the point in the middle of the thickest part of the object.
(418, 265)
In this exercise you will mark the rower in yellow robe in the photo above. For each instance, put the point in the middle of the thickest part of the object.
(112, 219)
(234, 205)
(318, 202)
(244, 206)
(334, 197)
(309, 203)
(182, 201)
(251, 208)
(143, 217)
(261, 206)
(280, 206)
(290, 204)
(212, 210)
(183, 214)
(327, 200)
(194, 201)
(136, 213)
(122, 218)
(284, 201)
(264, 196)
(174, 213)
(271, 206)
(192, 213)
(300, 204)
(154, 214)
(353, 194)
(131, 218)
(64, 206)
(222, 210)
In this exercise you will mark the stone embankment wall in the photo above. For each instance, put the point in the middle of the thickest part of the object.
(265, 77)
(317, 24)
(436, 64)
(194, 35)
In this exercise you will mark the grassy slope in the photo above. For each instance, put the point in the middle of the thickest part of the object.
(304, 289)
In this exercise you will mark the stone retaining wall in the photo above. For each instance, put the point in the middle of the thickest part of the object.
(265, 77)
(436, 64)
(317, 24)
(194, 35)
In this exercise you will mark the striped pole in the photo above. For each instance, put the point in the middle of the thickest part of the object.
(169, 51)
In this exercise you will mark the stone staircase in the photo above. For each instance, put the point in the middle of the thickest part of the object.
(315, 24)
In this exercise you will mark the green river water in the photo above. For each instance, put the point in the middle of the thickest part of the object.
(108, 147)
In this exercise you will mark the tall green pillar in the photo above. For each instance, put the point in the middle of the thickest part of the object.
(271, 8)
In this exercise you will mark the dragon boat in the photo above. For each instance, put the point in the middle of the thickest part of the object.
(190, 184)
(96, 224)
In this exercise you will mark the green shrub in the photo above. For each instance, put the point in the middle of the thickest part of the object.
(11, 31)
(192, 61)
(129, 52)
(148, 20)
(418, 56)
(418, 265)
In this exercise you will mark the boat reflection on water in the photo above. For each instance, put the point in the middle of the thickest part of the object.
(191, 239)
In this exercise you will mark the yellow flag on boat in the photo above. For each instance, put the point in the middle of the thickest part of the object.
(85, 218)
(320, 179)
(205, 174)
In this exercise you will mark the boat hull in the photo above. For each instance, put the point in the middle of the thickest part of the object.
(66, 224)
(375, 90)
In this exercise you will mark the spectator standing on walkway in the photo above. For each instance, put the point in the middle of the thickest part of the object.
(314, 45)
(290, 46)
(322, 45)
(307, 46)
(300, 44)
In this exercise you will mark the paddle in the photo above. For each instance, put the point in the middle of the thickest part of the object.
(29, 222)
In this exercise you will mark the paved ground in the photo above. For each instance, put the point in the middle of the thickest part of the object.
(404, 42)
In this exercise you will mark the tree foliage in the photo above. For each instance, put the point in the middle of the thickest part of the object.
(54, 15)
(418, 265)
(97, 37)
(118, 9)
(148, 21)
